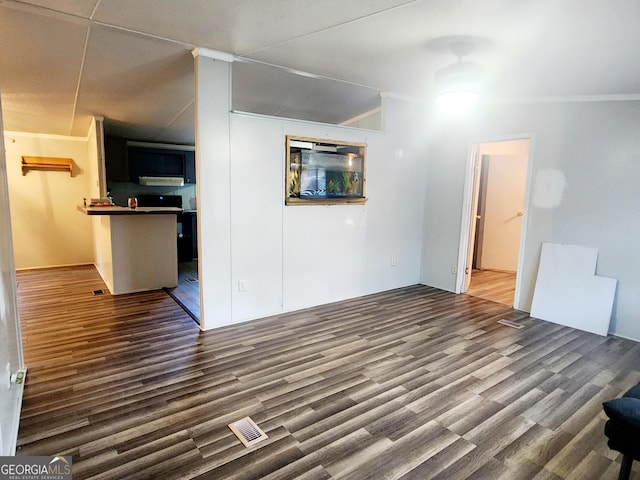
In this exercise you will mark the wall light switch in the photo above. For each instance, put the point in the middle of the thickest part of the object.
(240, 286)
(393, 261)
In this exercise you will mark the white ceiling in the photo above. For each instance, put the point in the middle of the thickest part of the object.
(62, 61)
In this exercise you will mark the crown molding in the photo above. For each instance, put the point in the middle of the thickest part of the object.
(214, 54)
(49, 136)
(626, 97)
(400, 96)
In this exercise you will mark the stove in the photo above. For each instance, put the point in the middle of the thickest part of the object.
(160, 201)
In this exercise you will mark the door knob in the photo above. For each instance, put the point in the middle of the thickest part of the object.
(520, 214)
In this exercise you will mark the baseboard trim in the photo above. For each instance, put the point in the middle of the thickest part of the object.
(624, 336)
(53, 267)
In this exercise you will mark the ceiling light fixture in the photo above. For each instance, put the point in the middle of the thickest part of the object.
(458, 84)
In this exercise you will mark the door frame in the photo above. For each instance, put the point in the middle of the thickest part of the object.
(468, 210)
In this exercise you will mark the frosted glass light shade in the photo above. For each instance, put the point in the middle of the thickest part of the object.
(456, 102)
(458, 86)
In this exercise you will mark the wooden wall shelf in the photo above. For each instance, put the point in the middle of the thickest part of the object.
(46, 163)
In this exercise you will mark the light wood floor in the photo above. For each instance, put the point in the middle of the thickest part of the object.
(493, 285)
(414, 383)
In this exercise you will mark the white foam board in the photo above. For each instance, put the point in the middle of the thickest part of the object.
(568, 292)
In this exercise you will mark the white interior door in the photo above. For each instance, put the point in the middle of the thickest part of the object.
(503, 211)
(477, 167)
(10, 341)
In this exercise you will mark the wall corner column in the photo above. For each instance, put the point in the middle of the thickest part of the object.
(213, 190)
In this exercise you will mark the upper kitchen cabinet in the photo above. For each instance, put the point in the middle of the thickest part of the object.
(190, 167)
(153, 164)
(116, 162)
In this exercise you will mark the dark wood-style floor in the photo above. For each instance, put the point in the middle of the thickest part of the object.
(493, 285)
(413, 383)
(188, 290)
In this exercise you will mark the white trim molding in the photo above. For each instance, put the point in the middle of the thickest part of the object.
(624, 97)
(52, 136)
(214, 54)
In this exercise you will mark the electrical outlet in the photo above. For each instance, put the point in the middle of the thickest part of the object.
(393, 261)
(241, 286)
(454, 269)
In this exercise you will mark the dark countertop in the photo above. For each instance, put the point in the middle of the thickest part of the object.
(115, 210)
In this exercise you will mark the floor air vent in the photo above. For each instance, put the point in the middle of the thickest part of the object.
(247, 432)
(98, 292)
(191, 280)
(511, 324)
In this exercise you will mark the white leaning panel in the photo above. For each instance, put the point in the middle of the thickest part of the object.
(568, 292)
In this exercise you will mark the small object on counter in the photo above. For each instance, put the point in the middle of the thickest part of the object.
(101, 202)
(84, 201)
(132, 202)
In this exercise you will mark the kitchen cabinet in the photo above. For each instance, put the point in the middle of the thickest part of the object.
(116, 161)
(190, 168)
(155, 162)
(128, 264)
(127, 161)
(189, 241)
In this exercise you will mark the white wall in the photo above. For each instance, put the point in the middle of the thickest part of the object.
(213, 166)
(100, 224)
(103, 260)
(47, 229)
(10, 342)
(257, 178)
(323, 246)
(584, 191)
(96, 173)
(292, 257)
(507, 147)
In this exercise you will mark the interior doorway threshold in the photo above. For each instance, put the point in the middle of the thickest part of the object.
(194, 317)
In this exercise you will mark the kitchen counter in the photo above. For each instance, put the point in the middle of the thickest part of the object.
(136, 249)
(115, 210)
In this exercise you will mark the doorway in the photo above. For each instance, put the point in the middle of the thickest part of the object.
(187, 293)
(493, 229)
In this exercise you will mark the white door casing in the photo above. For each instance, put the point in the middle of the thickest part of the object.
(465, 251)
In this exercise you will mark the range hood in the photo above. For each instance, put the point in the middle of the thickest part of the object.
(150, 181)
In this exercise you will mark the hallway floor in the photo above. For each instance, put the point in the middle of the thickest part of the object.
(493, 285)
